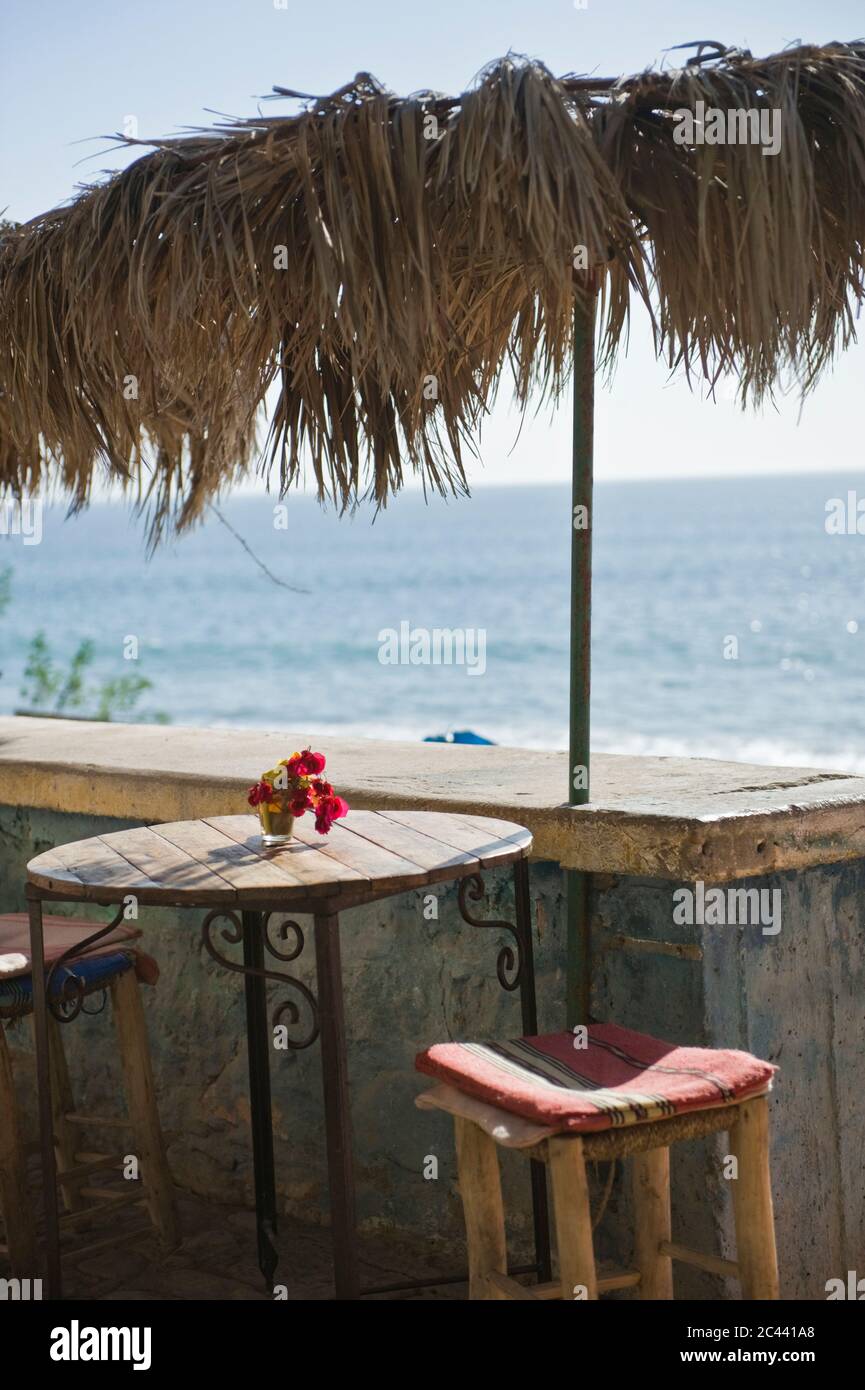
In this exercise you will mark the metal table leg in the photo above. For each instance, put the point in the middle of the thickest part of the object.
(337, 1112)
(253, 929)
(258, 1044)
(46, 1119)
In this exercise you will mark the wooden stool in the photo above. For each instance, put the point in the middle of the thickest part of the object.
(482, 1127)
(84, 1197)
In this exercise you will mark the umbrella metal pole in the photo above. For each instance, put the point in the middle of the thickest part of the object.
(577, 883)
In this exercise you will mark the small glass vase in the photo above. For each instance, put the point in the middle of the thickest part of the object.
(276, 826)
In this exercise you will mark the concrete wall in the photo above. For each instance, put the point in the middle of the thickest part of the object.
(796, 998)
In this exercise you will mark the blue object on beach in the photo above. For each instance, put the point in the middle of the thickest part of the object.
(458, 736)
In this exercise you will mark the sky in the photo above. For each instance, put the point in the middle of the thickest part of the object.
(72, 73)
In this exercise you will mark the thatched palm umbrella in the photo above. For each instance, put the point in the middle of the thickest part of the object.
(380, 260)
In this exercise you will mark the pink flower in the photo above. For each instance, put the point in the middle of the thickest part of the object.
(329, 809)
(262, 791)
(310, 764)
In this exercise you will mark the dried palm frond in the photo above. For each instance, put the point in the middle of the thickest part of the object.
(377, 262)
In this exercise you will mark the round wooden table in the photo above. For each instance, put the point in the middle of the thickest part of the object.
(220, 864)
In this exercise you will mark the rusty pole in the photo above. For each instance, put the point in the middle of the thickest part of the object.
(577, 883)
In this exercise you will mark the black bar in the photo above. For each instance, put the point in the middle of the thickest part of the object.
(258, 1046)
(337, 1112)
(828, 1334)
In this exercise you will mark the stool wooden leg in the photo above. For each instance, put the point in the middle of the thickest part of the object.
(650, 1182)
(15, 1206)
(141, 1103)
(65, 1139)
(481, 1190)
(573, 1218)
(752, 1202)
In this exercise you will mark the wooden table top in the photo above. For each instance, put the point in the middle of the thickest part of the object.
(221, 859)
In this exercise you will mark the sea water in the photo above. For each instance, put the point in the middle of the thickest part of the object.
(728, 621)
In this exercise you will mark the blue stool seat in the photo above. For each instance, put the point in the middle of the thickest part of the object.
(87, 975)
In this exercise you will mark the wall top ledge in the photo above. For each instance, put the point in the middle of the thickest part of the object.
(677, 818)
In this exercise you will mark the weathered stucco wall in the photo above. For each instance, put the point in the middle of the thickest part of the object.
(797, 998)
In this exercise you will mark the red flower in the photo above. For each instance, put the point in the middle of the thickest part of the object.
(262, 791)
(309, 764)
(329, 809)
(301, 802)
(295, 785)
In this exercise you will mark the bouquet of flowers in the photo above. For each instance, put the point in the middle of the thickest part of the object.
(292, 788)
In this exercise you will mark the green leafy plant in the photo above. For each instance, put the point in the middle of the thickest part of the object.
(42, 679)
(120, 696)
(49, 688)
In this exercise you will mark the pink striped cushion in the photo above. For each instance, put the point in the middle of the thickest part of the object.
(618, 1078)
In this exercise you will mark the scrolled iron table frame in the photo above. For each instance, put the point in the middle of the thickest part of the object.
(324, 1022)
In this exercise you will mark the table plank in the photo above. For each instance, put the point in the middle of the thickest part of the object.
(316, 872)
(48, 871)
(486, 846)
(217, 853)
(98, 865)
(166, 864)
(428, 853)
(505, 829)
(381, 867)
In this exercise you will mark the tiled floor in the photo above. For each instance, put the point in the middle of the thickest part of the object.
(216, 1260)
